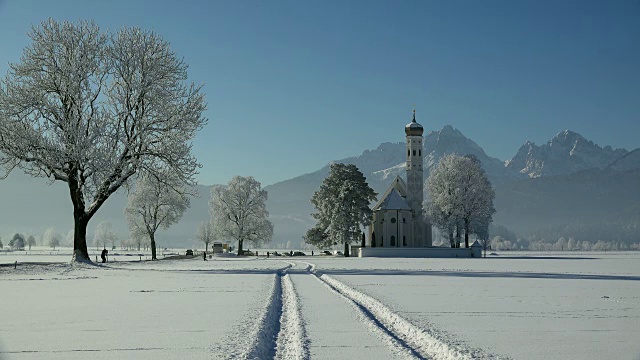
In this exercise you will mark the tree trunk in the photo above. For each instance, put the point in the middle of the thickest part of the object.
(346, 249)
(80, 219)
(466, 233)
(80, 222)
(451, 241)
(363, 241)
(458, 236)
(240, 247)
(206, 247)
(152, 237)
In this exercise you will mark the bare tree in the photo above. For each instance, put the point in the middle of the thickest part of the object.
(460, 198)
(93, 109)
(239, 211)
(206, 234)
(31, 241)
(155, 203)
(68, 241)
(104, 235)
(51, 238)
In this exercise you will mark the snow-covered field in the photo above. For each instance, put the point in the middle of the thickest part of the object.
(516, 305)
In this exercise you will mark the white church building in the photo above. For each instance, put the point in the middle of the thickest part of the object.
(399, 227)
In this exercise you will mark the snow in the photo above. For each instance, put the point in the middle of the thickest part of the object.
(516, 305)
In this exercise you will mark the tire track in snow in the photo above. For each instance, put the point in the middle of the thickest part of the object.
(265, 333)
(279, 333)
(292, 340)
(421, 343)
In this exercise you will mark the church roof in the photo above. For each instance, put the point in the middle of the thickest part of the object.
(392, 201)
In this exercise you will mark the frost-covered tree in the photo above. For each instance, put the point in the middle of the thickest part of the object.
(460, 197)
(51, 238)
(443, 207)
(157, 202)
(104, 235)
(31, 241)
(342, 207)
(92, 109)
(1, 244)
(17, 242)
(206, 234)
(239, 211)
(561, 244)
(68, 240)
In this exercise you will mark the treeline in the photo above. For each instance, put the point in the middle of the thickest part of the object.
(621, 235)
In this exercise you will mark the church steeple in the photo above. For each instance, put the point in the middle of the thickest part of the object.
(413, 128)
(415, 179)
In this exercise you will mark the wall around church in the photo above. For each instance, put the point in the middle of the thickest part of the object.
(436, 252)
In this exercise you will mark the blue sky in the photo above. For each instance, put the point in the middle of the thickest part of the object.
(292, 85)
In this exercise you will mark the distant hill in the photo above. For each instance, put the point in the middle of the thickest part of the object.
(629, 161)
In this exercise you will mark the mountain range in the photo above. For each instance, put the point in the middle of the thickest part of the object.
(567, 181)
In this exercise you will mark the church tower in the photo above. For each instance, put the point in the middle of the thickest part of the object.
(415, 183)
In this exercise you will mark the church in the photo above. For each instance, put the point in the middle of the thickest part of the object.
(398, 218)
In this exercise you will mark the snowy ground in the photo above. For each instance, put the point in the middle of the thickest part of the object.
(61, 255)
(517, 305)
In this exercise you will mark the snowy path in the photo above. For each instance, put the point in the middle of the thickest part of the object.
(334, 330)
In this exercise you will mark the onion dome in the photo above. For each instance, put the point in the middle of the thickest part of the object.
(413, 128)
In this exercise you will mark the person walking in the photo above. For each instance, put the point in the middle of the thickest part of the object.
(103, 255)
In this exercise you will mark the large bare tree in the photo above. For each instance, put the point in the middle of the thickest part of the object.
(155, 203)
(93, 109)
(460, 198)
(239, 211)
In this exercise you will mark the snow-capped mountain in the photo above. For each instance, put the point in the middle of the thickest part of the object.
(436, 145)
(567, 153)
(519, 182)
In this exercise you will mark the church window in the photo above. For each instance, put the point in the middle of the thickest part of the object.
(393, 220)
(419, 152)
(404, 220)
(408, 152)
(404, 240)
(414, 153)
(381, 241)
(393, 240)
